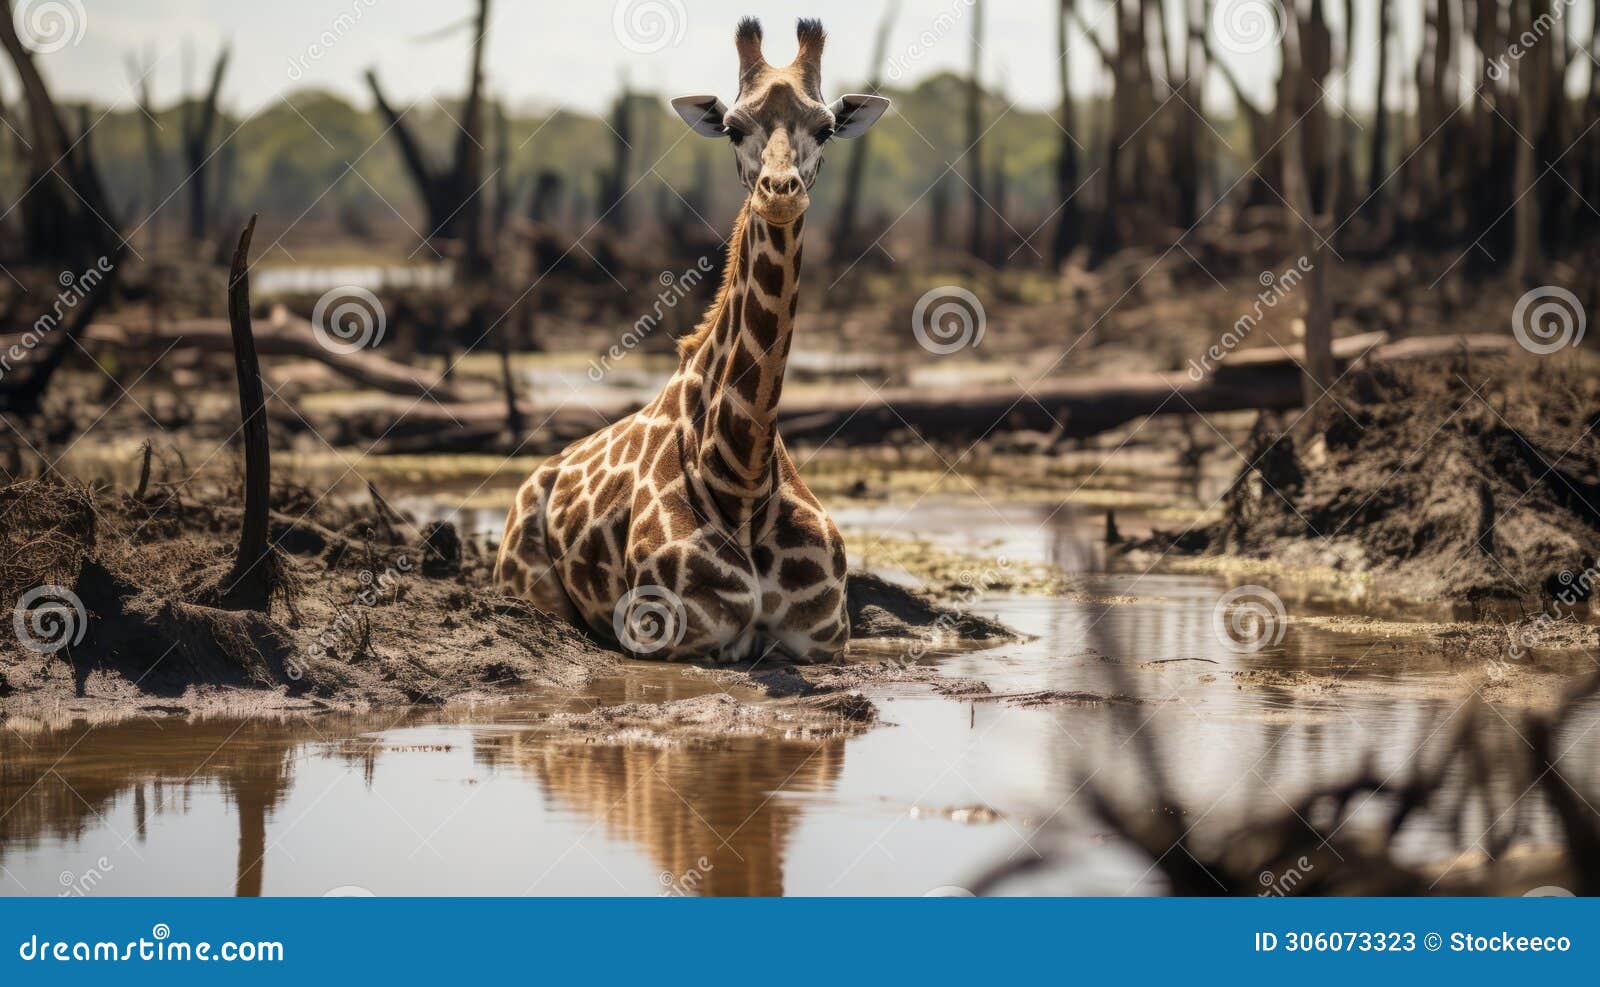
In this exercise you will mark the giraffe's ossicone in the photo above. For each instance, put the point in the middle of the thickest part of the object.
(684, 530)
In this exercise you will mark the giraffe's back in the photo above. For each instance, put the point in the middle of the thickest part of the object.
(611, 524)
(618, 532)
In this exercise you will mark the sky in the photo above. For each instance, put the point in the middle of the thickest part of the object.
(573, 53)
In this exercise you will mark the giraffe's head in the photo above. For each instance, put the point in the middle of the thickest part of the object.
(779, 123)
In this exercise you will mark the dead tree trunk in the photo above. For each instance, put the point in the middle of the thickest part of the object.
(514, 420)
(139, 72)
(1532, 86)
(614, 180)
(14, 151)
(1378, 152)
(939, 212)
(197, 124)
(1488, 193)
(1066, 234)
(546, 191)
(249, 585)
(855, 169)
(66, 216)
(1344, 189)
(1591, 159)
(1319, 368)
(1315, 43)
(469, 149)
(974, 152)
(999, 238)
(1187, 155)
(502, 170)
(1105, 237)
(450, 200)
(1198, 75)
(1298, 156)
(1133, 52)
(1263, 150)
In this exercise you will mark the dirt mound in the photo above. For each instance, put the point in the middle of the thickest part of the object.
(1451, 482)
(117, 615)
(116, 611)
(881, 609)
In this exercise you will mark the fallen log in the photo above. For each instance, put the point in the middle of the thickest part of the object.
(394, 425)
(283, 334)
(1258, 379)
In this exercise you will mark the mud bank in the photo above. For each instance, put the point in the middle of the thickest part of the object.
(1472, 483)
(121, 616)
(716, 716)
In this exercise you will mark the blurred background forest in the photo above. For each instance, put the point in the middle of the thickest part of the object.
(1410, 166)
(1181, 91)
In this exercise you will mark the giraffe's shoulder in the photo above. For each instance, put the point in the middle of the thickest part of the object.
(791, 486)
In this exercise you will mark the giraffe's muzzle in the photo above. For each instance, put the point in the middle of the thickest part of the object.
(779, 196)
(780, 201)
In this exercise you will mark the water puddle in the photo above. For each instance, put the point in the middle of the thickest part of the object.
(268, 281)
(475, 801)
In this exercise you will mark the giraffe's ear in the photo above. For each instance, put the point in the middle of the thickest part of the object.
(703, 114)
(854, 114)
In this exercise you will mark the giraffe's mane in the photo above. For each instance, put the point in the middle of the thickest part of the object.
(690, 344)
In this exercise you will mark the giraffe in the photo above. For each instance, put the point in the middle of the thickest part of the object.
(684, 530)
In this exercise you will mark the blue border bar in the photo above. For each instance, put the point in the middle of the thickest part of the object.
(803, 941)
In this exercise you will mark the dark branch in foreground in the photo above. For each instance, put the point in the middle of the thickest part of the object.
(249, 585)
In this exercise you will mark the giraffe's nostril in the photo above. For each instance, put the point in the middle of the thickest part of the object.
(786, 186)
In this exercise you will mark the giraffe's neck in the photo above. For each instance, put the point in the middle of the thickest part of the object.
(743, 359)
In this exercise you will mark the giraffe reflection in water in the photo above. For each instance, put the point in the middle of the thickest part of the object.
(715, 820)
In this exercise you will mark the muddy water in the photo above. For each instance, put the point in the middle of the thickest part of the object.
(473, 801)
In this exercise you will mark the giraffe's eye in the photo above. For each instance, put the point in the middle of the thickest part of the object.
(824, 134)
(734, 134)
